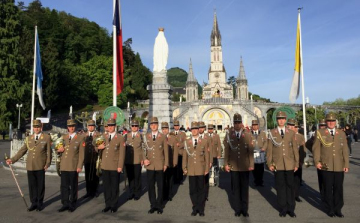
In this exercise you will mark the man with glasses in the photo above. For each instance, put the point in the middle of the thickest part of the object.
(71, 164)
(239, 161)
(331, 156)
(38, 147)
(283, 159)
(134, 160)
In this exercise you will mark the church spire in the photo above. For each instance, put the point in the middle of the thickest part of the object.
(191, 77)
(215, 33)
(242, 71)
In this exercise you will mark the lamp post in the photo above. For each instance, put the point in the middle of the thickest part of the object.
(19, 106)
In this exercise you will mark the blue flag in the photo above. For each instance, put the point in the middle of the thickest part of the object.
(38, 72)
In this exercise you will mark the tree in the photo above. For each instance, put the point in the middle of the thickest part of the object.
(232, 81)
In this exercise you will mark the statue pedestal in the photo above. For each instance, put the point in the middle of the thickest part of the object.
(159, 98)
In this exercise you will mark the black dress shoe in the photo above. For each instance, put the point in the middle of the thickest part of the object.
(331, 214)
(97, 194)
(292, 214)
(63, 208)
(237, 214)
(106, 209)
(136, 198)
(152, 210)
(193, 213)
(32, 207)
(202, 214)
(159, 210)
(245, 214)
(113, 210)
(131, 197)
(282, 214)
(39, 208)
(298, 199)
(72, 209)
(339, 214)
(170, 199)
(86, 195)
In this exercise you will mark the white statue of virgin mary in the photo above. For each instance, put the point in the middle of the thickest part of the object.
(161, 51)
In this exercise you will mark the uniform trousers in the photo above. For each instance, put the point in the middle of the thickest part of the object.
(297, 181)
(158, 177)
(91, 179)
(36, 180)
(284, 183)
(69, 188)
(169, 182)
(258, 173)
(321, 183)
(179, 171)
(197, 192)
(240, 188)
(333, 190)
(133, 172)
(111, 180)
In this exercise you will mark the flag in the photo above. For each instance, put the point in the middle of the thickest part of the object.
(118, 61)
(38, 72)
(295, 85)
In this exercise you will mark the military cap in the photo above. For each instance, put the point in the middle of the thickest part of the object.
(291, 121)
(154, 120)
(237, 117)
(202, 125)
(105, 124)
(296, 124)
(111, 122)
(135, 122)
(70, 122)
(322, 122)
(330, 117)
(255, 122)
(194, 125)
(281, 114)
(176, 123)
(210, 126)
(91, 123)
(164, 125)
(36, 123)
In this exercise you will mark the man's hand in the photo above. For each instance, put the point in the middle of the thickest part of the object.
(146, 162)
(185, 172)
(227, 168)
(165, 167)
(142, 162)
(271, 168)
(295, 169)
(219, 157)
(61, 149)
(251, 168)
(346, 170)
(206, 172)
(8, 161)
(45, 168)
(101, 146)
(319, 166)
(119, 170)
(78, 170)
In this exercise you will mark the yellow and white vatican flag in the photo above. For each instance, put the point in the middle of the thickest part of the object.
(295, 85)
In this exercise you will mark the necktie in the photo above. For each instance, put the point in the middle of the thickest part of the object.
(175, 133)
(133, 135)
(36, 138)
(238, 135)
(69, 138)
(200, 137)
(195, 142)
(332, 133)
(282, 133)
(154, 137)
(91, 136)
(109, 138)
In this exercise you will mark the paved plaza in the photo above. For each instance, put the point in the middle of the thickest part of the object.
(262, 207)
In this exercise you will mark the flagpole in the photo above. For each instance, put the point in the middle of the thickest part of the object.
(114, 59)
(33, 89)
(302, 80)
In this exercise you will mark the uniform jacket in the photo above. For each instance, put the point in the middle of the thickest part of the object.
(285, 156)
(260, 143)
(134, 150)
(73, 155)
(173, 150)
(91, 154)
(241, 155)
(180, 138)
(113, 156)
(300, 141)
(156, 152)
(39, 153)
(335, 156)
(197, 159)
(215, 148)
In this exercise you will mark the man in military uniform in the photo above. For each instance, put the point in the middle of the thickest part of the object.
(180, 138)
(203, 135)
(239, 160)
(331, 155)
(260, 144)
(156, 161)
(196, 159)
(134, 160)
(283, 158)
(173, 155)
(215, 150)
(300, 143)
(71, 163)
(90, 158)
(112, 163)
(38, 160)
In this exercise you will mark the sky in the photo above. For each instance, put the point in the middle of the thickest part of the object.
(262, 32)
